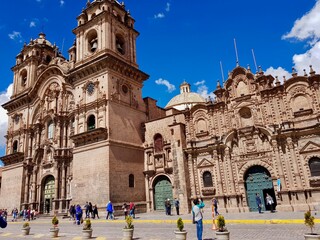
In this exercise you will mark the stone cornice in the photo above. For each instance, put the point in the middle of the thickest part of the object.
(17, 102)
(107, 61)
(95, 135)
(12, 158)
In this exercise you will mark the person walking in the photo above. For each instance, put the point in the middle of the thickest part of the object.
(132, 209)
(86, 207)
(90, 210)
(213, 210)
(78, 214)
(215, 204)
(259, 202)
(177, 205)
(167, 205)
(125, 210)
(95, 212)
(196, 211)
(14, 214)
(109, 209)
(269, 202)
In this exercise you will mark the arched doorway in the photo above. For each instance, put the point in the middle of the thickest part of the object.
(47, 194)
(258, 180)
(162, 191)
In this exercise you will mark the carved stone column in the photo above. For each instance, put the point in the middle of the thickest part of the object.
(217, 172)
(294, 163)
(65, 136)
(230, 179)
(146, 182)
(191, 174)
(63, 187)
(29, 144)
(26, 188)
(278, 161)
(56, 187)
(34, 181)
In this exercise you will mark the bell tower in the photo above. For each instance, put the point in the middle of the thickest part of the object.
(108, 120)
(34, 57)
(104, 26)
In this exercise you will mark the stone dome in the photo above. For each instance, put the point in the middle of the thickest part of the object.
(185, 98)
(42, 40)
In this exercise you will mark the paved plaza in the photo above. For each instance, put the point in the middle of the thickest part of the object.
(158, 226)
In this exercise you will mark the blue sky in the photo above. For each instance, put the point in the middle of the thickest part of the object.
(179, 40)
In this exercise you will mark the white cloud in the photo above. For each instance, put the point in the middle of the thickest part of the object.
(168, 7)
(204, 91)
(311, 57)
(159, 15)
(200, 83)
(279, 72)
(14, 35)
(61, 3)
(307, 27)
(304, 29)
(166, 83)
(32, 24)
(4, 97)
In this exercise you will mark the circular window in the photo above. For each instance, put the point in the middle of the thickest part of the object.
(125, 89)
(90, 88)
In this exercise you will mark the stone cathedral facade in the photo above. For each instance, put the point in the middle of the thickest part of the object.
(79, 130)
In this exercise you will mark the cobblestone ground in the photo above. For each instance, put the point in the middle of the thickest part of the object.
(158, 230)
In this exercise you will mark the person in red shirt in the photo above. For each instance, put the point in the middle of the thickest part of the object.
(132, 208)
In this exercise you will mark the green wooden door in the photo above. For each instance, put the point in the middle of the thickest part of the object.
(257, 181)
(162, 191)
(48, 194)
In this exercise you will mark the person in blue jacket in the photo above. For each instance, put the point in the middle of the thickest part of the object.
(109, 209)
(78, 214)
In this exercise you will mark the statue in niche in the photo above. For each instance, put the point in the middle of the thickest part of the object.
(159, 162)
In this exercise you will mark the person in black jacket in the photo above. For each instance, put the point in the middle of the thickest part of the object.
(3, 223)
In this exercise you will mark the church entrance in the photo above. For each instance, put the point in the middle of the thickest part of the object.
(47, 194)
(162, 191)
(258, 180)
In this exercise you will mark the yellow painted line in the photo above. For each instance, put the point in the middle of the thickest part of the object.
(101, 238)
(77, 238)
(38, 236)
(5, 234)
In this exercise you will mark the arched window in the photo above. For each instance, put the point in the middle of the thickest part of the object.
(207, 179)
(202, 126)
(92, 39)
(314, 165)
(23, 75)
(120, 44)
(91, 122)
(50, 129)
(15, 146)
(158, 143)
(131, 181)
